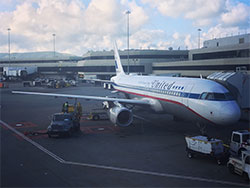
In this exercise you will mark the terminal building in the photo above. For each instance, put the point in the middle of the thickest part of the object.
(99, 64)
(102, 64)
(223, 54)
(47, 63)
(225, 60)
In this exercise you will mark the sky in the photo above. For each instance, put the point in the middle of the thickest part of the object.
(85, 25)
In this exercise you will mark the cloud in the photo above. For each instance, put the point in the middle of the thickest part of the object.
(102, 17)
(78, 27)
(81, 26)
(156, 39)
(35, 21)
(176, 35)
(219, 31)
(201, 11)
(145, 38)
(138, 16)
(238, 15)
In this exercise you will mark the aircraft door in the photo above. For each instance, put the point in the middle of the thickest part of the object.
(187, 91)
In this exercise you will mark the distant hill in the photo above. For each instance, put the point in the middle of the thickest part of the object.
(38, 56)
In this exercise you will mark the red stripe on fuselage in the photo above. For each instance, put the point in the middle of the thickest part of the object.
(166, 100)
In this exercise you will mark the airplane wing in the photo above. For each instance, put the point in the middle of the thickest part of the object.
(120, 100)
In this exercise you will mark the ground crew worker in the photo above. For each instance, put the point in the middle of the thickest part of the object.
(65, 107)
(79, 111)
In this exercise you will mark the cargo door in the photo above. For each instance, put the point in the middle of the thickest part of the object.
(187, 91)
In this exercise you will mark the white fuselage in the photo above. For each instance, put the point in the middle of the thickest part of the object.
(191, 98)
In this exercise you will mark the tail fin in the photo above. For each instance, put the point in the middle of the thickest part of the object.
(118, 64)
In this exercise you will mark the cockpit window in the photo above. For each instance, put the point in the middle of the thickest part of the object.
(210, 96)
(219, 96)
(229, 96)
(203, 96)
(216, 96)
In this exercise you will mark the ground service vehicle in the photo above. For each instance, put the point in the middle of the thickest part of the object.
(240, 141)
(63, 124)
(240, 165)
(98, 114)
(19, 71)
(203, 146)
(28, 83)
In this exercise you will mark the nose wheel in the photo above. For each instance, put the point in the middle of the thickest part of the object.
(202, 127)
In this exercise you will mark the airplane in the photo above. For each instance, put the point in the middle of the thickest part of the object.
(198, 100)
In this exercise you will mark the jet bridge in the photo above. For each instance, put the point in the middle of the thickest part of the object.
(238, 83)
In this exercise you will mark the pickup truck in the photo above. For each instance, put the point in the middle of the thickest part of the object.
(63, 124)
(240, 165)
(204, 146)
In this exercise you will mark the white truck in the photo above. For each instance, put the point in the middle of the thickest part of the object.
(204, 146)
(240, 165)
(240, 141)
(19, 71)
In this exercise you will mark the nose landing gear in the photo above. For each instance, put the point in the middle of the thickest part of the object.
(202, 127)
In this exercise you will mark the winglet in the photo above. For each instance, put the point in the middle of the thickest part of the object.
(118, 64)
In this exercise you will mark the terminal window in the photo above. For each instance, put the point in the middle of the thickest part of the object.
(241, 40)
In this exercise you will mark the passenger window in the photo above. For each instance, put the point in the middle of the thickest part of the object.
(236, 138)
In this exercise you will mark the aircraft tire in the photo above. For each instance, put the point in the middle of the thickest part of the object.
(96, 117)
(245, 176)
(231, 169)
(49, 135)
(219, 162)
(189, 155)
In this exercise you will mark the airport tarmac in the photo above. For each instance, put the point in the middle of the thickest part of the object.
(148, 154)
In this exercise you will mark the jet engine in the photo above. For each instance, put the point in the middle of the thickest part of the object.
(120, 115)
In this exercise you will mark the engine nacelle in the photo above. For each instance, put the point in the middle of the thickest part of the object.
(120, 116)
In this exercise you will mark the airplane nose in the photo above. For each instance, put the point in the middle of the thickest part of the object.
(230, 113)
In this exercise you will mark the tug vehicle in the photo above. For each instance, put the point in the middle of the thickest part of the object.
(240, 141)
(240, 165)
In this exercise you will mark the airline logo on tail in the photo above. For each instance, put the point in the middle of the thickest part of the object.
(118, 64)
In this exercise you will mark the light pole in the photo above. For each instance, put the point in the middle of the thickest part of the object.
(54, 43)
(199, 30)
(128, 12)
(9, 42)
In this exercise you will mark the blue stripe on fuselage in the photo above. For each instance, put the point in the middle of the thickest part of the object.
(161, 91)
(170, 92)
